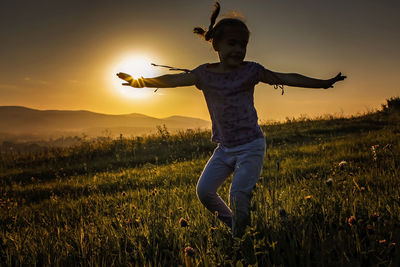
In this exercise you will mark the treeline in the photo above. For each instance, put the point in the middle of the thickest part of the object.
(40, 145)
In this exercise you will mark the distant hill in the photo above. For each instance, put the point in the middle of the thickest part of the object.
(17, 122)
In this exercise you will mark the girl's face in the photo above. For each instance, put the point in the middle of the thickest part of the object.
(232, 46)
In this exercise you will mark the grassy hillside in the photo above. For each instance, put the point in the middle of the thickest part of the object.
(328, 196)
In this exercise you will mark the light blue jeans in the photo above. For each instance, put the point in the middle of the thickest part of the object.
(245, 162)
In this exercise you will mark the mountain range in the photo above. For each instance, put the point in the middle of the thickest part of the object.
(33, 124)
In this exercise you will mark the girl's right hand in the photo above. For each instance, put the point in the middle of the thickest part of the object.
(137, 83)
(125, 77)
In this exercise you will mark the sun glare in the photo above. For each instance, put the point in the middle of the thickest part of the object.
(137, 66)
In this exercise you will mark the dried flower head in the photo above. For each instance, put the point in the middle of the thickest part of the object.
(352, 221)
(136, 222)
(342, 164)
(183, 222)
(154, 192)
(375, 147)
(189, 251)
(374, 152)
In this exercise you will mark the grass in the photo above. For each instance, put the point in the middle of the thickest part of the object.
(120, 202)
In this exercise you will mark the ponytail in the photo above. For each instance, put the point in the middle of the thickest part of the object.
(208, 35)
(214, 33)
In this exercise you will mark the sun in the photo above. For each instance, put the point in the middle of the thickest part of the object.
(137, 65)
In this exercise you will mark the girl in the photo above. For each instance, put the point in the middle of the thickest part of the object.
(228, 88)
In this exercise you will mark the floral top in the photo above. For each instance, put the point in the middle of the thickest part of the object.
(230, 102)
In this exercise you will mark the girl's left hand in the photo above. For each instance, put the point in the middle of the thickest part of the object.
(337, 78)
(125, 77)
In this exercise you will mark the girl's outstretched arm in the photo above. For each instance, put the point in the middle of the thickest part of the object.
(298, 80)
(164, 81)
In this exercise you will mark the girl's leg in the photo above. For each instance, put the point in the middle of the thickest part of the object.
(217, 170)
(247, 171)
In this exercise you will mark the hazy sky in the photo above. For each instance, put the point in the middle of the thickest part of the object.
(63, 54)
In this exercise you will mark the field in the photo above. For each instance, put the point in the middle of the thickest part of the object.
(328, 196)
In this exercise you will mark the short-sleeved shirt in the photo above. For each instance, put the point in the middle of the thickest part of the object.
(230, 102)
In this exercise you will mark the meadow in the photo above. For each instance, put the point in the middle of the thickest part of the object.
(328, 195)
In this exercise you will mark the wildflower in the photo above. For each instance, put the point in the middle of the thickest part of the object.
(392, 245)
(342, 164)
(53, 197)
(374, 147)
(329, 182)
(180, 208)
(123, 194)
(383, 241)
(352, 221)
(189, 256)
(307, 197)
(183, 222)
(374, 154)
(154, 192)
(189, 251)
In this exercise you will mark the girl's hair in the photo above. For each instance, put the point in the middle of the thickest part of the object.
(214, 34)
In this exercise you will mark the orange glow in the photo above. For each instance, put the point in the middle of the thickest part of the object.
(137, 65)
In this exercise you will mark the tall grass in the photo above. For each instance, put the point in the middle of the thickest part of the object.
(328, 196)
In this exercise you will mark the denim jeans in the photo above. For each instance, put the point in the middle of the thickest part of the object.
(245, 162)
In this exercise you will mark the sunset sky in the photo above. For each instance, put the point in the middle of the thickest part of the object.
(64, 54)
